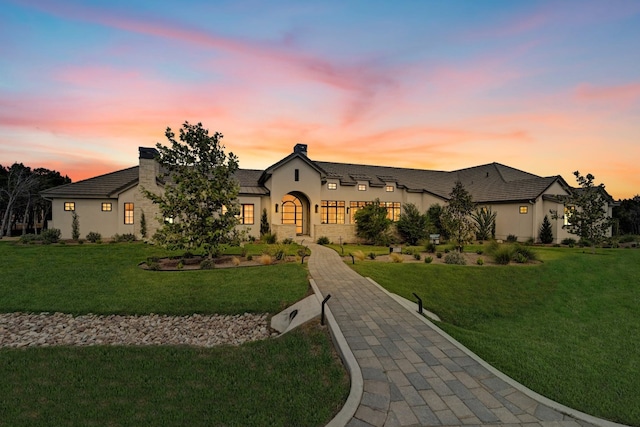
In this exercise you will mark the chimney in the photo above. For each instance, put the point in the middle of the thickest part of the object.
(301, 149)
(147, 153)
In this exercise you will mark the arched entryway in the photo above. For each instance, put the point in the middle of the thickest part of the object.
(295, 210)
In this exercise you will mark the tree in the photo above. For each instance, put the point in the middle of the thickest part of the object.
(627, 213)
(485, 223)
(546, 231)
(412, 225)
(199, 207)
(456, 216)
(435, 224)
(372, 223)
(587, 211)
(264, 223)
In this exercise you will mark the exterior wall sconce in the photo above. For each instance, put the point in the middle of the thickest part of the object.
(347, 210)
(316, 208)
(276, 208)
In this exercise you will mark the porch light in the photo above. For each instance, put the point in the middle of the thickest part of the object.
(316, 208)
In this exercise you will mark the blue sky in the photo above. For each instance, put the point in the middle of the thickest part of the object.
(545, 86)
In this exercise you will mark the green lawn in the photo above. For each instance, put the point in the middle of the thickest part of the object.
(105, 279)
(568, 328)
(293, 380)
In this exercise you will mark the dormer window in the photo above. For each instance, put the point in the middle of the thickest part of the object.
(362, 187)
(332, 186)
(389, 188)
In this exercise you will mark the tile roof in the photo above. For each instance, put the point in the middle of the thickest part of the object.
(493, 182)
(111, 184)
(103, 186)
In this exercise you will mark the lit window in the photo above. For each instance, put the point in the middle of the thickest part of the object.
(332, 212)
(106, 207)
(389, 188)
(568, 212)
(393, 210)
(524, 209)
(362, 187)
(332, 186)
(69, 206)
(247, 214)
(355, 207)
(128, 213)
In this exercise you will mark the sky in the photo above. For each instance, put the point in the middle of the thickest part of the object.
(549, 87)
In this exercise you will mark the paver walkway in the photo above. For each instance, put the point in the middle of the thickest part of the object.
(412, 374)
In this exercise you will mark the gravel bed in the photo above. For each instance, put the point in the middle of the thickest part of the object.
(46, 329)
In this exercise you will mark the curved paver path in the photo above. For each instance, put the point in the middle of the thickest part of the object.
(412, 374)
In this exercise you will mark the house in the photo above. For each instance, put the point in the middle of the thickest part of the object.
(317, 198)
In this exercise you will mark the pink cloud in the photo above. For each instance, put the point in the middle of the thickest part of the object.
(621, 96)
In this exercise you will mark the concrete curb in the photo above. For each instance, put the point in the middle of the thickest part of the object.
(357, 383)
(527, 391)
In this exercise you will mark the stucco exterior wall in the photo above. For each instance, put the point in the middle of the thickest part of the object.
(90, 217)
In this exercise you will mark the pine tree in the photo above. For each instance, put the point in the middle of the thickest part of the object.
(546, 232)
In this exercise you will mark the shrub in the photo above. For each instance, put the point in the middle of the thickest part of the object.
(546, 231)
(417, 256)
(29, 238)
(480, 261)
(287, 241)
(280, 252)
(249, 257)
(143, 225)
(492, 247)
(439, 254)
(235, 261)
(371, 255)
(568, 242)
(584, 242)
(428, 260)
(479, 251)
(360, 255)
(81, 241)
(243, 251)
(525, 253)
(455, 258)
(127, 237)
(154, 266)
(265, 259)
(94, 237)
(628, 238)
(207, 264)
(51, 235)
(187, 254)
(512, 238)
(503, 255)
(180, 265)
(530, 241)
(270, 238)
(323, 240)
(430, 247)
(447, 250)
(396, 257)
(75, 226)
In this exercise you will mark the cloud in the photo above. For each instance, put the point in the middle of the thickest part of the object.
(619, 96)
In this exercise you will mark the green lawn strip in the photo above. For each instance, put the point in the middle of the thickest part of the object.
(567, 328)
(105, 279)
(293, 380)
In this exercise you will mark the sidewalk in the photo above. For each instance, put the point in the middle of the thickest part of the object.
(412, 374)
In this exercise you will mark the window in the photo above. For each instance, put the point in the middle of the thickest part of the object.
(524, 209)
(246, 214)
(332, 212)
(362, 187)
(568, 211)
(128, 213)
(393, 210)
(332, 186)
(106, 207)
(389, 188)
(355, 207)
(296, 175)
(69, 206)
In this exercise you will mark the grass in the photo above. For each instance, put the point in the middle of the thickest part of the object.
(567, 328)
(293, 380)
(105, 279)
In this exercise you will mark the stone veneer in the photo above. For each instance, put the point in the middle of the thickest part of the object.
(148, 179)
